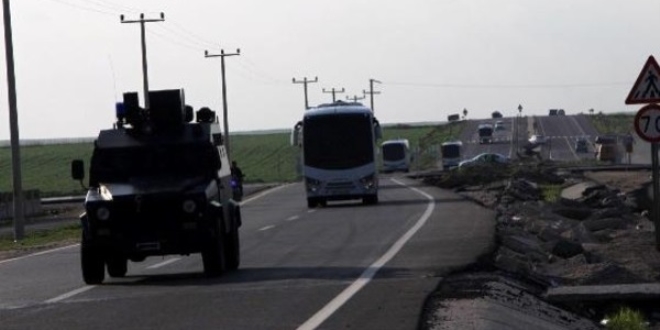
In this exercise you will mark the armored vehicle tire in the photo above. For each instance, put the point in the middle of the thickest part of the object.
(370, 200)
(117, 266)
(213, 255)
(311, 202)
(232, 249)
(93, 266)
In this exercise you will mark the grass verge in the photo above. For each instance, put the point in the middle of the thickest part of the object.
(42, 239)
(626, 319)
(551, 192)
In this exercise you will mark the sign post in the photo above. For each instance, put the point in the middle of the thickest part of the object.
(647, 126)
(646, 90)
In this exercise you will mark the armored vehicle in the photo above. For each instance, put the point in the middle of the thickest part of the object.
(159, 184)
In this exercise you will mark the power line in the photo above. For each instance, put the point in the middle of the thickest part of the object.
(86, 8)
(179, 36)
(504, 86)
(194, 36)
(121, 7)
(174, 41)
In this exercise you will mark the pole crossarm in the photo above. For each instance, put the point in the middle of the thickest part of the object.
(334, 92)
(355, 98)
(143, 20)
(305, 82)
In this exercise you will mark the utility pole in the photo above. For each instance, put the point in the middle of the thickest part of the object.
(145, 75)
(371, 92)
(334, 92)
(355, 98)
(224, 91)
(305, 82)
(19, 216)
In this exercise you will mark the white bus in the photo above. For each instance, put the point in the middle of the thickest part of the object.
(396, 155)
(451, 154)
(338, 142)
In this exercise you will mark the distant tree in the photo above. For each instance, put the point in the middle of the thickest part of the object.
(591, 111)
(464, 113)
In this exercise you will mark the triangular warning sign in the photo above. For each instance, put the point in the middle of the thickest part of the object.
(647, 86)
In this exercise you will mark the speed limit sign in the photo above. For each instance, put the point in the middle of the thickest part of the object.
(647, 123)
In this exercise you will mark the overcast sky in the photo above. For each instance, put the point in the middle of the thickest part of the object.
(74, 58)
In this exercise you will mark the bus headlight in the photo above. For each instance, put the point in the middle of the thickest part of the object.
(369, 181)
(102, 213)
(313, 185)
(189, 206)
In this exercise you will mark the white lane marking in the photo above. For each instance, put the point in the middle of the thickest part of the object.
(69, 294)
(264, 193)
(39, 253)
(311, 211)
(574, 120)
(164, 263)
(267, 228)
(366, 276)
(295, 217)
(570, 147)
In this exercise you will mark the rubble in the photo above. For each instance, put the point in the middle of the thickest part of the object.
(601, 236)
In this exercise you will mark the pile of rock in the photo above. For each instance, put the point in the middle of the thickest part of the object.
(578, 241)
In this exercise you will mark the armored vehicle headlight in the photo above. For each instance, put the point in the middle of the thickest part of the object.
(102, 213)
(189, 206)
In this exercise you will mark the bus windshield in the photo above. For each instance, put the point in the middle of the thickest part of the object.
(338, 141)
(451, 150)
(393, 151)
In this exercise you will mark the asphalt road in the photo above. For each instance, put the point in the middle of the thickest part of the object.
(339, 267)
(562, 132)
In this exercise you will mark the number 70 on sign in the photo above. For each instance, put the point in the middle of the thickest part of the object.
(647, 123)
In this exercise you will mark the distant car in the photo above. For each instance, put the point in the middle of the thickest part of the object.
(484, 159)
(538, 139)
(499, 126)
(581, 145)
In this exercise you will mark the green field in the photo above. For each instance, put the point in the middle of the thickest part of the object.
(614, 123)
(263, 158)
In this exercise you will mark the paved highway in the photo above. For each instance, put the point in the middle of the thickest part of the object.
(503, 142)
(562, 132)
(338, 267)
